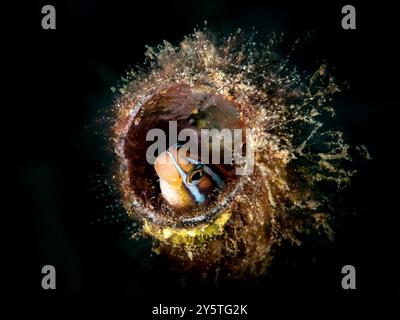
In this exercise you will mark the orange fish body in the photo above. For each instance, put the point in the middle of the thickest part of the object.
(184, 181)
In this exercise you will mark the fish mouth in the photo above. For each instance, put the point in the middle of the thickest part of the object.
(199, 107)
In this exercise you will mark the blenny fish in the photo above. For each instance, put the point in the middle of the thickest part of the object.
(185, 181)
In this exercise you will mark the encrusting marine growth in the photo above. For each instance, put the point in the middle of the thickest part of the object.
(231, 82)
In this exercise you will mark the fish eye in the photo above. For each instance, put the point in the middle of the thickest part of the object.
(195, 174)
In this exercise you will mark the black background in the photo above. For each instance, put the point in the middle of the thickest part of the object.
(60, 86)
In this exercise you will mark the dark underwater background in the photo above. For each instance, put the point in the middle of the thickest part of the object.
(61, 83)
